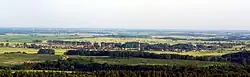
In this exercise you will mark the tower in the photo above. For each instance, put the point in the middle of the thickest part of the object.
(139, 46)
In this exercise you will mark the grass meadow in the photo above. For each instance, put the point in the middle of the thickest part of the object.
(29, 50)
(17, 59)
(147, 61)
(197, 53)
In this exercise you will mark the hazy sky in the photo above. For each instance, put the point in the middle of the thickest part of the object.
(159, 14)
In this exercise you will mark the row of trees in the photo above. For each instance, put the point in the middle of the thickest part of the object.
(4, 44)
(128, 45)
(46, 51)
(241, 57)
(15, 52)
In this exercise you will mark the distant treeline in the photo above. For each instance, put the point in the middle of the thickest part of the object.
(181, 47)
(127, 36)
(230, 38)
(239, 58)
(147, 46)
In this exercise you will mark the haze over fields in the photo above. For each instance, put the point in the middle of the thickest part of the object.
(156, 14)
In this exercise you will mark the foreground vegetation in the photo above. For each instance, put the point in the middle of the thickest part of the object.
(174, 72)
(111, 70)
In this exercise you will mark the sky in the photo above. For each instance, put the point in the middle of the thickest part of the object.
(129, 14)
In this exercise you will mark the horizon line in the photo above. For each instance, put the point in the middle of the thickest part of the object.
(134, 28)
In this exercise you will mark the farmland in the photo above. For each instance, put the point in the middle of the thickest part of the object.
(143, 61)
(117, 50)
(200, 53)
(17, 59)
(124, 38)
(29, 50)
(29, 39)
(61, 51)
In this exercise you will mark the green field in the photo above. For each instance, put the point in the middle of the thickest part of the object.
(142, 61)
(29, 50)
(198, 53)
(16, 59)
(146, 61)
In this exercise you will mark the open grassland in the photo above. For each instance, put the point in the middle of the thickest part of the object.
(16, 59)
(29, 50)
(146, 61)
(197, 53)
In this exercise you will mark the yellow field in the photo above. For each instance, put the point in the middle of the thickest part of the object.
(13, 34)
